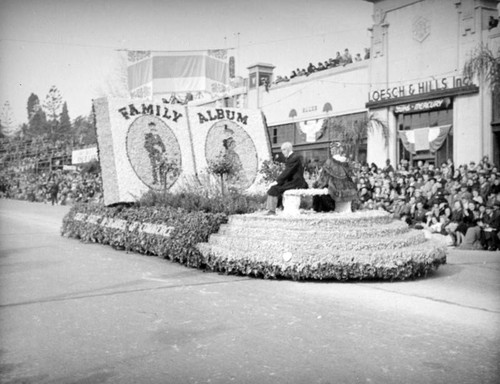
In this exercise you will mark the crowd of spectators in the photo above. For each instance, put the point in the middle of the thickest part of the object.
(57, 187)
(461, 203)
(32, 169)
(339, 61)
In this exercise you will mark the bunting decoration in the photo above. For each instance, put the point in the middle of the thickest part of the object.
(152, 73)
(424, 139)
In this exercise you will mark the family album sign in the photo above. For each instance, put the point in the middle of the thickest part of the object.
(145, 145)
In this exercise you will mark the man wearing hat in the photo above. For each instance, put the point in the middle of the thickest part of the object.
(495, 184)
(155, 147)
(491, 227)
(400, 208)
(484, 187)
(464, 192)
(454, 193)
(426, 183)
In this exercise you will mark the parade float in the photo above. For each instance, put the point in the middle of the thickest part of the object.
(145, 146)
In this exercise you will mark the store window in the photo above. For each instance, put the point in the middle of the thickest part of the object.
(281, 133)
(413, 123)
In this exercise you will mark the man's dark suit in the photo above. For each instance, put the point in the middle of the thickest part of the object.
(491, 237)
(292, 176)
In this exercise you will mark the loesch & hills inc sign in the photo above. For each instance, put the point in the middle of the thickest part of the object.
(445, 86)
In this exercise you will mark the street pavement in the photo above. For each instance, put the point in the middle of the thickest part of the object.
(72, 312)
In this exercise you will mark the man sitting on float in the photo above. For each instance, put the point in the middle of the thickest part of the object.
(292, 177)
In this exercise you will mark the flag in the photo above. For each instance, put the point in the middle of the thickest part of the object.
(154, 73)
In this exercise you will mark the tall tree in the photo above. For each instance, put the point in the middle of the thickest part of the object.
(37, 120)
(353, 134)
(84, 130)
(64, 128)
(53, 103)
(484, 63)
(8, 127)
(33, 105)
(53, 106)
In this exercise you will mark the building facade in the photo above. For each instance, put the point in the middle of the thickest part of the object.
(413, 82)
(418, 52)
(297, 111)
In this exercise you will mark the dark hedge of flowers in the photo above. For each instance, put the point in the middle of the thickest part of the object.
(325, 271)
(189, 229)
(232, 202)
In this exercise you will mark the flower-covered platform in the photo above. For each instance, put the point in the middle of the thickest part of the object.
(347, 246)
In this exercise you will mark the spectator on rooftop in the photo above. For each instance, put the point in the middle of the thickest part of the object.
(339, 60)
(347, 58)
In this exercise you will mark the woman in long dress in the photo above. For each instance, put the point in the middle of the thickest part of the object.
(335, 176)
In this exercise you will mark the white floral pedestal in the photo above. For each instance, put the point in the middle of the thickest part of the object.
(343, 206)
(291, 199)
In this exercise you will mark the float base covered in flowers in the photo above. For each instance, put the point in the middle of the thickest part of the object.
(348, 246)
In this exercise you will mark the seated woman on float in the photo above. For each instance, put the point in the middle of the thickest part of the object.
(335, 176)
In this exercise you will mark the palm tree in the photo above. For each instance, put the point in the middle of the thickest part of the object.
(483, 63)
(352, 135)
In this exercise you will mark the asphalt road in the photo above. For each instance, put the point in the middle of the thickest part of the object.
(85, 313)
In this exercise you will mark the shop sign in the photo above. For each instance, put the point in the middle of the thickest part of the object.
(312, 108)
(422, 87)
(430, 105)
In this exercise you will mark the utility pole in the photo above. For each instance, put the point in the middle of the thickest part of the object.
(237, 53)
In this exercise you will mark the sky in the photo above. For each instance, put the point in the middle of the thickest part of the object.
(74, 44)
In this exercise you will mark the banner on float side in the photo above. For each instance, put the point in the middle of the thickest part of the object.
(142, 145)
(238, 134)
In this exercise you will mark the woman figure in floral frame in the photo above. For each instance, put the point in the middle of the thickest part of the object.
(335, 176)
(238, 176)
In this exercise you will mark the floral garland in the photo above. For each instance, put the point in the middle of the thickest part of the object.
(275, 246)
(321, 234)
(306, 192)
(385, 265)
(315, 220)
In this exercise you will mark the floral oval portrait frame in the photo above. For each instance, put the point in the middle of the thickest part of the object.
(225, 137)
(154, 152)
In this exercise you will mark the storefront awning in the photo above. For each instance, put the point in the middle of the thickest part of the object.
(424, 139)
